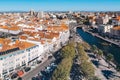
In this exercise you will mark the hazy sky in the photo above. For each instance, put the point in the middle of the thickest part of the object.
(86, 5)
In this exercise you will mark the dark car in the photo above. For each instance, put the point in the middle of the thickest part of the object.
(38, 78)
(38, 62)
(15, 75)
(27, 69)
(19, 78)
(33, 78)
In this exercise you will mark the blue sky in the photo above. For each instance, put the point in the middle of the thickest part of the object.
(60, 5)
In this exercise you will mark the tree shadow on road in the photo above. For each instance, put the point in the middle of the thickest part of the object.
(108, 74)
(92, 56)
(96, 63)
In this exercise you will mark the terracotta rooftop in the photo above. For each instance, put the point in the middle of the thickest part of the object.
(118, 18)
(14, 28)
(6, 44)
(117, 28)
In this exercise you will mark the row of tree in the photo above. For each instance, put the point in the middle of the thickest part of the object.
(85, 64)
(109, 57)
(99, 54)
(63, 69)
(68, 54)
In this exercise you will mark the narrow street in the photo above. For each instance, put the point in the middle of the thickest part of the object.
(33, 73)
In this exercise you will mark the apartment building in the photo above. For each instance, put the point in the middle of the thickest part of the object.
(104, 28)
(115, 32)
(116, 21)
(35, 38)
(14, 55)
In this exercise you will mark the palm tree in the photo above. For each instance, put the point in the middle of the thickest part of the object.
(109, 58)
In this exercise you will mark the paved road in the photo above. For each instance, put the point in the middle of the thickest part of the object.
(36, 70)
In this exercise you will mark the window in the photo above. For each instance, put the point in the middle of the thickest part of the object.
(23, 63)
(29, 59)
(11, 69)
(23, 57)
(17, 59)
(18, 65)
(28, 50)
(4, 64)
(1, 58)
(10, 56)
(28, 54)
(4, 71)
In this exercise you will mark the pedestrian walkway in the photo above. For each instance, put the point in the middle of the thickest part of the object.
(102, 70)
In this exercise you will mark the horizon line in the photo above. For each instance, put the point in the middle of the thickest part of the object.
(61, 10)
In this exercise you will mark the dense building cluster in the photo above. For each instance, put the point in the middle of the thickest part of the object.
(27, 37)
(106, 23)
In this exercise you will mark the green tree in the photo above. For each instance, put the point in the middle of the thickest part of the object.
(68, 51)
(94, 49)
(81, 53)
(86, 45)
(87, 69)
(100, 54)
(63, 69)
(85, 65)
(109, 58)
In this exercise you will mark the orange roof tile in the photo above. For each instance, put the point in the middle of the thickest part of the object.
(63, 27)
(117, 28)
(4, 27)
(14, 28)
(118, 18)
(23, 37)
(21, 45)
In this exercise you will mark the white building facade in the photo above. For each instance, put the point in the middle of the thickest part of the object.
(14, 60)
(105, 28)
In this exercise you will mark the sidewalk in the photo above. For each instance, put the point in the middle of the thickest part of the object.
(102, 70)
(41, 66)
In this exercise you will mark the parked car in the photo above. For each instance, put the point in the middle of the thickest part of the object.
(27, 69)
(7, 77)
(15, 75)
(38, 78)
(19, 78)
(33, 78)
(38, 62)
